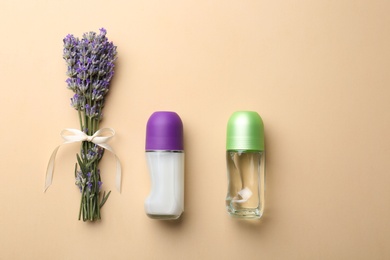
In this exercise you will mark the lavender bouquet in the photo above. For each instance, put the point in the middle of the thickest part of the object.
(90, 61)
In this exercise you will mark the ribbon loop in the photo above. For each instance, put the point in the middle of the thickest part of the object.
(99, 138)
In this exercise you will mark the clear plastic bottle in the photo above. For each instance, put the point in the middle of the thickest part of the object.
(165, 159)
(245, 157)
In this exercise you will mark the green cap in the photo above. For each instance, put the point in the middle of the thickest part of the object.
(245, 131)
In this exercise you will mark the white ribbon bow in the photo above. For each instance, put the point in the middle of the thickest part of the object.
(99, 138)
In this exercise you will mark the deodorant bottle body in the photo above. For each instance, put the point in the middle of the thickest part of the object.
(165, 159)
(245, 157)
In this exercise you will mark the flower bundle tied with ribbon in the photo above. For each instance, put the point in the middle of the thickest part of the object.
(90, 61)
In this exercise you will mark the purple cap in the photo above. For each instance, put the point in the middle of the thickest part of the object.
(164, 131)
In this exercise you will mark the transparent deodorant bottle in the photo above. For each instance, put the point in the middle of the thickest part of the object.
(165, 159)
(245, 158)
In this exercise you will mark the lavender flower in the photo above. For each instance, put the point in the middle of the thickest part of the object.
(91, 112)
(90, 63)
(80, 180)
(78, 102)
(90, 67)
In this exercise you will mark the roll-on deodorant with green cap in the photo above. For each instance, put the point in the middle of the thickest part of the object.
(245, 156)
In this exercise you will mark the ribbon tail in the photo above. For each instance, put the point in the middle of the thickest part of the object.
(118, 178)
(50, 169)
(118, 174)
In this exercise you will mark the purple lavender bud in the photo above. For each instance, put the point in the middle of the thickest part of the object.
(80, 180)
(71, 62)
(90, 111)
(82, 85)
(75, 101)
(87, 109)
(90, 156)
(103, 31)
(97, 95)
(100, 152)
(71, 71)
(89, 36)
(71, 83)
(69, 41)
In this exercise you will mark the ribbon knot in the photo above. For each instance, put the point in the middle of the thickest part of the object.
(99, 138)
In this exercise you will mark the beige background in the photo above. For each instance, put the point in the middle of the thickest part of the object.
(316, 71)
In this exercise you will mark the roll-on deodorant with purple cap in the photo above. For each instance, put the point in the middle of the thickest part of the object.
(165, 159)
